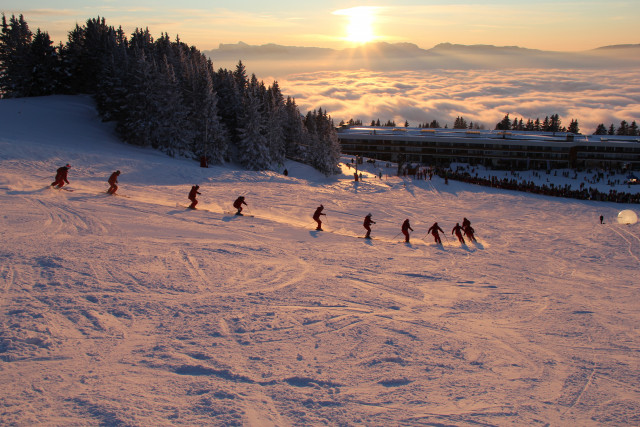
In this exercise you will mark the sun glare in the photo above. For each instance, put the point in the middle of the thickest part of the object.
(360, 26)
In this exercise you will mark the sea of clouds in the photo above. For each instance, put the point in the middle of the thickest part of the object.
(480, 96)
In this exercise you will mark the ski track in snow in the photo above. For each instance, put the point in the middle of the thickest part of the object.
(132, 311)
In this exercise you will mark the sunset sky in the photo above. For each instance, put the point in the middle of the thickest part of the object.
(549, 25)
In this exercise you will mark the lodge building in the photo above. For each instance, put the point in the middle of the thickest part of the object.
(510, 150)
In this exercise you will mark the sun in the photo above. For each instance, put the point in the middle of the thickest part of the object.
(360, 26)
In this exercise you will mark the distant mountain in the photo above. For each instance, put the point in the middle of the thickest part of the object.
(242, 49)
(619, 47)
(277, 59)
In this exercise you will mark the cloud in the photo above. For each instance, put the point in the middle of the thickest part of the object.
(484, 97)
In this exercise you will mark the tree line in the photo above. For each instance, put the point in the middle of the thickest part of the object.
(551, 123)
(166, 95)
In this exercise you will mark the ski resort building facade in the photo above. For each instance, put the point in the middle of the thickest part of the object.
(495, 149)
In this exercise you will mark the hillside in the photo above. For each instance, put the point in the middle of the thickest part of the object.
(131, 310)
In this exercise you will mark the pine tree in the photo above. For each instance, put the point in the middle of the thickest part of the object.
(555, 123)
(294, 131)
(15, 58)
(88, 49)
(253, 148)
(537, 125)
(460, 123)
(275, 116)
(573, 127)
(612, 130)
(505, 124)
(623, 129)
(601, 130)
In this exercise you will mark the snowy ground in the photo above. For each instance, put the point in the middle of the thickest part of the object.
(133, 311)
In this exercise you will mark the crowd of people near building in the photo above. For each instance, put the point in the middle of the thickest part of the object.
(516, 182)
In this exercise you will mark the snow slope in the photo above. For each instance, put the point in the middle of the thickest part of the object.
(135, 311)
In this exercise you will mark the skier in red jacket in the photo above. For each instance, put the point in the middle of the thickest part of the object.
(458, 231)
(405, 230)
(238, 204)
(61, 176)
(434, 232)
(367, 225)
(192, 196)
(316, 217)
(113, 180)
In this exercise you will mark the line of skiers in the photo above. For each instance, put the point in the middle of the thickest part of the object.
(62, 178)
(406, 226)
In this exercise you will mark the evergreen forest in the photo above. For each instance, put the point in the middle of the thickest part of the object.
(167, 95)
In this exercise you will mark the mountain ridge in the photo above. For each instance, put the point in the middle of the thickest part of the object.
(277, 59)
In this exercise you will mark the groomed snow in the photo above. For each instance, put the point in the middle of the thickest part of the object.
(135, 311)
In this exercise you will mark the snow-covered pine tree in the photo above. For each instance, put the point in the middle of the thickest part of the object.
(111, 90)
(135, 127)
(211, 136)
(253, 148)
(295, 133)
(324, 146)
(167, 115)
(275, 116)
(230, 108)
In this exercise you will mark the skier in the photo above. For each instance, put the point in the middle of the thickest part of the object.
(468, 231)
(355, 176)
(238, 205)
(285, 173)
(601, 219)
(316, 217)
(457, 230)
(113, 180)
(367, 225)
(61, 176)
(405, 230)
(192, 196)
(465, 223)
(434, 232)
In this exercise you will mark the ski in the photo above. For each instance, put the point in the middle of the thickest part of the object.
(235, 214)
(116, 194)
(178, 205)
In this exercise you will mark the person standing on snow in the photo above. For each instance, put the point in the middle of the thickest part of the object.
(601, 219)
(367, 225)
(113, 180)
(316, 217)
(405, 230)
(61, 176)
(434, 232)
(238, 204)
(192, 196)
(458, 231)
